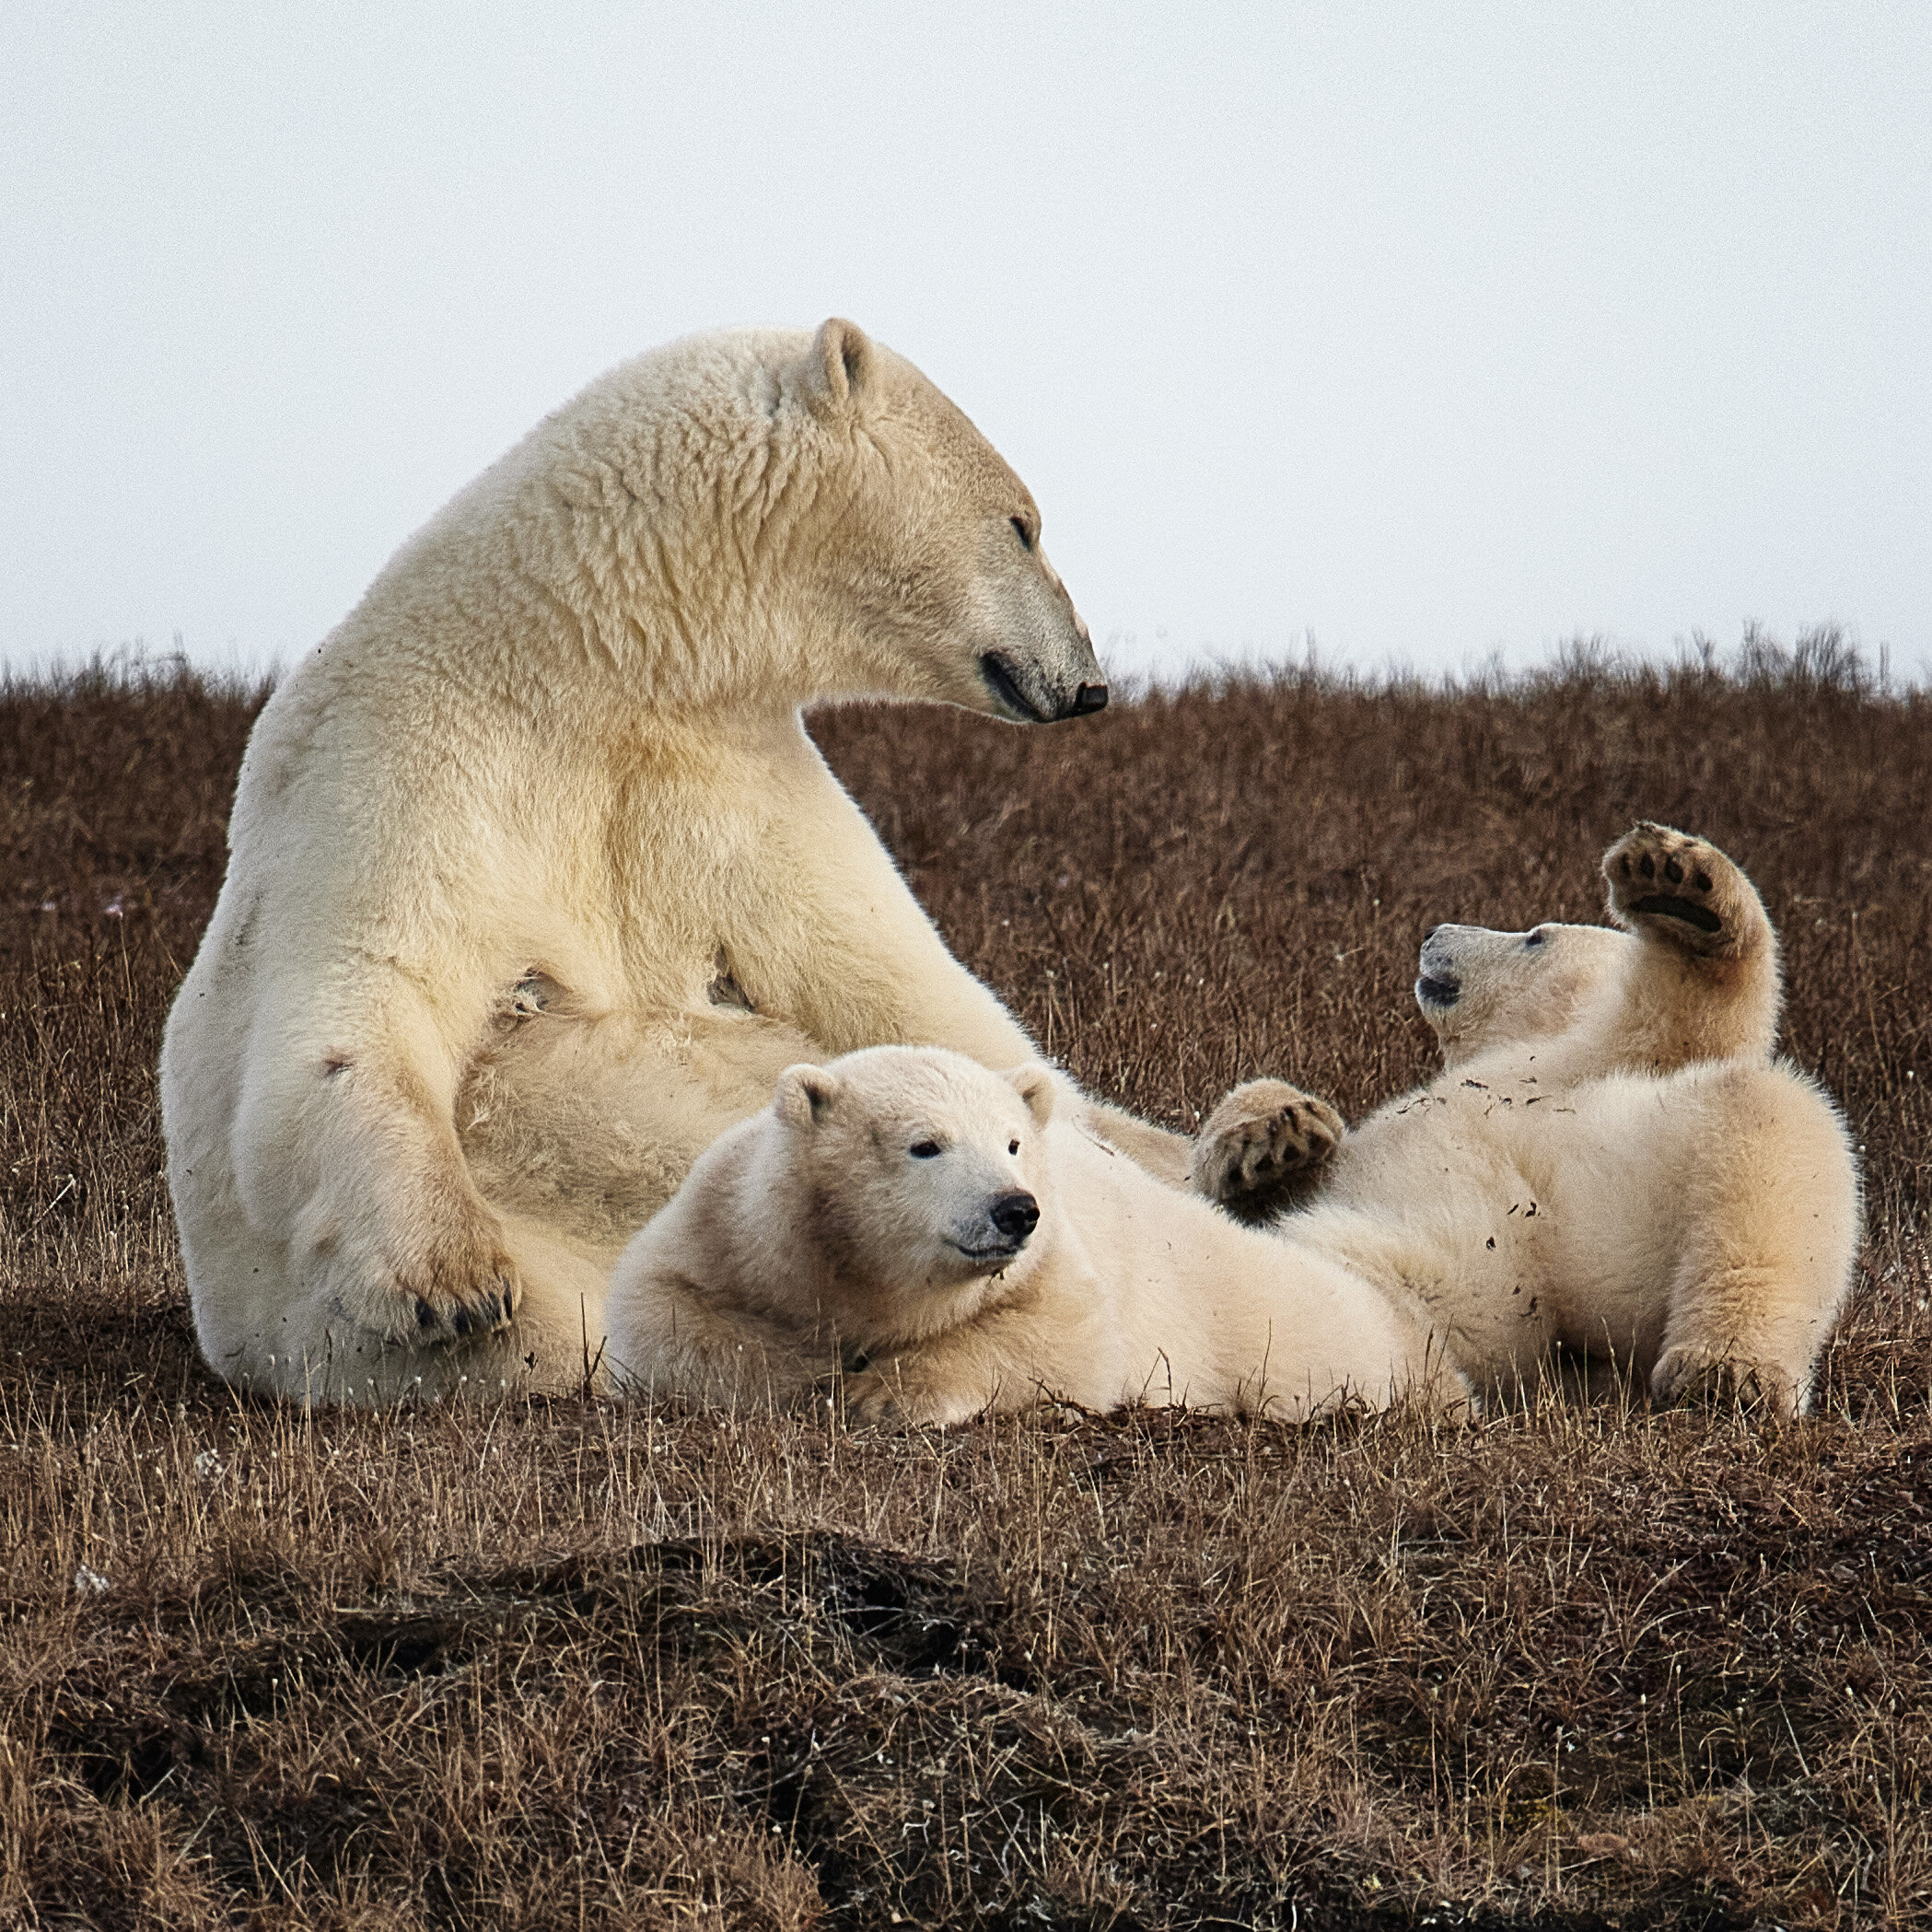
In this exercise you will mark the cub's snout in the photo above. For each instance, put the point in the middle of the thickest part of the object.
(1001, 1228)
(1016, 1215)
(1438, 985)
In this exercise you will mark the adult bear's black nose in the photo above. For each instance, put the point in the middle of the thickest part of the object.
(1016, 1215)
(1090, 697)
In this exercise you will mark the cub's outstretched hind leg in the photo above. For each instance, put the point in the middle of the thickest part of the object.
(1771, 1231)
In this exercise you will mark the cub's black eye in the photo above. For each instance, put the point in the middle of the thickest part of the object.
(924, 1150)
(1536, 938)
(1021, 531)
(1012, 1146)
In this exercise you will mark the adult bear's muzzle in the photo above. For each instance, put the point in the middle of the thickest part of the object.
(1007, 683)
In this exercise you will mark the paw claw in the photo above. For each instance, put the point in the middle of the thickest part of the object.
(436, 1301)
(873, 1400)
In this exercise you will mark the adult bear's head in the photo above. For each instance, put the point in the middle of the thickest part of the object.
(925, 547)
(764, 517)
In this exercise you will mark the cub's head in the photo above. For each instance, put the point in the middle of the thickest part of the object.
(1481, 989)
(927, 546)
(926, 1182)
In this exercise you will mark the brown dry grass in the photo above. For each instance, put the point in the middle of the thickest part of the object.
(567, 1664)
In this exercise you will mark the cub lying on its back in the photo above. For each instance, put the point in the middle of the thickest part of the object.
(1610, 1164)
(906, 1213)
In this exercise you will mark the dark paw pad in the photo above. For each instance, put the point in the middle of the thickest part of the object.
(1670, 907)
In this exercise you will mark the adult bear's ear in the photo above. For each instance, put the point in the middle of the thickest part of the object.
(838, 367)
(1034, 1085)
(804, 1094)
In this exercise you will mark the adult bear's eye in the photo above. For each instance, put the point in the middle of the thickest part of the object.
(1536, 938)
(1021, 531)
(924, 1150)
(1012, 1146)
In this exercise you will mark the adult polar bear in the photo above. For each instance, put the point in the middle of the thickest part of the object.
(536, 883)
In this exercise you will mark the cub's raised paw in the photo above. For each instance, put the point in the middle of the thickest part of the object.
(1263, 1147)
(1682, 891)
(447, 1279)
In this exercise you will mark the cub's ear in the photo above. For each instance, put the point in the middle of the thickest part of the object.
(804, 1094)
(1034, 1085)
(838, 366)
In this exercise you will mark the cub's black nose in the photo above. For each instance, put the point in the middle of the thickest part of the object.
(1090, 697)
(1016, 1215)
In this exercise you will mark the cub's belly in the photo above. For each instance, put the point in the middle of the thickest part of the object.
(1516, 1231)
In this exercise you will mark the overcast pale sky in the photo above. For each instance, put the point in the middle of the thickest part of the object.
(1425, 330)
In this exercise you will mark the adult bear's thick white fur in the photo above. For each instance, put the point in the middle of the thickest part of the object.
(931, 1230)
(536, 883)
(1611, 1170)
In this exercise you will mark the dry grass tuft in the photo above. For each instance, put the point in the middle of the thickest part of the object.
(570, 1664)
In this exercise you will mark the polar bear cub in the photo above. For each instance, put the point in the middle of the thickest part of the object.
(930, 1229)
(1610, 1165)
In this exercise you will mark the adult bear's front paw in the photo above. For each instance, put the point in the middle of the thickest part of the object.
(1680, 889)
(445, 1279)
(1263, 1146)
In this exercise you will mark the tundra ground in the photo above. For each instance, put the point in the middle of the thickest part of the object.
(574, 1664)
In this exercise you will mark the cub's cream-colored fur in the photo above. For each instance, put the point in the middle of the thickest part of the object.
(936, 1232)
(1612, 1169)
(536, 883)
